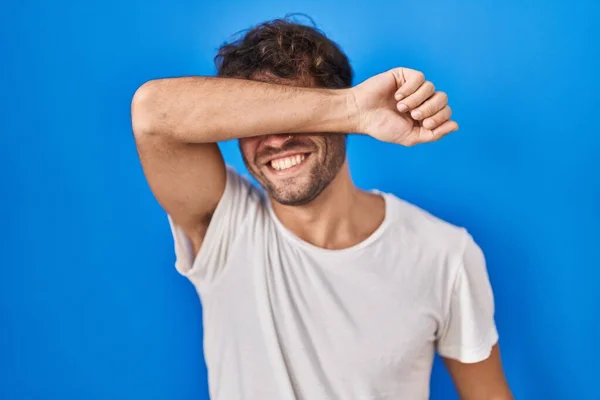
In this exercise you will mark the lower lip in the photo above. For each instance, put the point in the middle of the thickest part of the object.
(288, 170)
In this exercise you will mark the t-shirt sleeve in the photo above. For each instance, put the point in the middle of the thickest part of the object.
(238, 204)
(469, 331)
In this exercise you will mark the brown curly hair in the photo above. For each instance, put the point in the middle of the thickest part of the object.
(288, 50)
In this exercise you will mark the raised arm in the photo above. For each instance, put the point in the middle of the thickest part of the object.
(209, 110)
(177, 123)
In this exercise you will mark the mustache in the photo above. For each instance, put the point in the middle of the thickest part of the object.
(293, 144)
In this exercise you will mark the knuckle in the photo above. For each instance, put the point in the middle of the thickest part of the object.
(430, 86)
(411, 102)
(442, 116)
(414, 104)
(431, 123)
(426, 109)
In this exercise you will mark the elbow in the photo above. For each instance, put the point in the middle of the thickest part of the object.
(503, 396)
(500, 393)
(507, 395)
(143, 110)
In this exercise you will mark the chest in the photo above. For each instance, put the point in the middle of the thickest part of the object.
(365, 321)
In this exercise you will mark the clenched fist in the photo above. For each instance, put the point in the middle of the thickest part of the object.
(401, 106)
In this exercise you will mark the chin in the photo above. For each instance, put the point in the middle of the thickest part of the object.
(295, 195)
(287, 195)
(292, 200)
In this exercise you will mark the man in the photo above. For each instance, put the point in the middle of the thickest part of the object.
(312, 288)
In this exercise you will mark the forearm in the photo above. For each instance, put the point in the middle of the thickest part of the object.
(205, 110)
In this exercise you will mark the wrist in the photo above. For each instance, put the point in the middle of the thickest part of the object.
(336, 111)
(353, 111)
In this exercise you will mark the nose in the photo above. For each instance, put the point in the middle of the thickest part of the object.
(275, 141)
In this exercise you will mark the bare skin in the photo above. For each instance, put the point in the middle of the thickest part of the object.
(482, 380)
(177, 123)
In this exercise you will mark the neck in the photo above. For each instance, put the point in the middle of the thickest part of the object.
(337, 218)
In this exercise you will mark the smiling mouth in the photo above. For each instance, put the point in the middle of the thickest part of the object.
(288, 163)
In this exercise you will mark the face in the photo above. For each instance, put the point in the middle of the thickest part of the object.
(294, 169)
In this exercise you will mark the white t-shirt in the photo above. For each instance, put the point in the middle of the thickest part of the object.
(286, 320)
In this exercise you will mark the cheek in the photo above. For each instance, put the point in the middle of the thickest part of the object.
(248, 147)
(336, 146)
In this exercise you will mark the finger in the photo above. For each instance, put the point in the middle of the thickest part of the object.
(431, 106)
(425, 91)
(444, 129)
(409, 80)
(438, 118)
(420, 134)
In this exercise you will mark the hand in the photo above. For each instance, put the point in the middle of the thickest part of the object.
(400, 106)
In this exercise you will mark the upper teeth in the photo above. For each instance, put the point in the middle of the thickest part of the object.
(287, 162)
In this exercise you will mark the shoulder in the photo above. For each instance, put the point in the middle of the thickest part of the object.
(240, 194)
(425, 230)
(237, 217)
(440, 251)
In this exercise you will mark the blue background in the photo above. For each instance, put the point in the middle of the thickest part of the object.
(90, 304)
